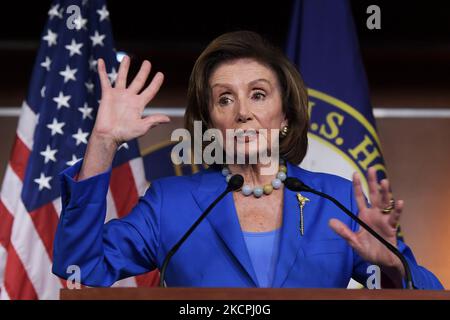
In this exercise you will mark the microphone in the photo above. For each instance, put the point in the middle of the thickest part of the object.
(236, 181)
(297, 185)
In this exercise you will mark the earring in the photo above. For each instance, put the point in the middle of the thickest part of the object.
(284, 131)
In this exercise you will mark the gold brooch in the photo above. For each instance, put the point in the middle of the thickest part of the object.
(301, 201)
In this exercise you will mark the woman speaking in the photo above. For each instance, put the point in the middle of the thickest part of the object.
(262, 235)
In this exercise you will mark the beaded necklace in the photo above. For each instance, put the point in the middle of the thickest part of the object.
(267, 189)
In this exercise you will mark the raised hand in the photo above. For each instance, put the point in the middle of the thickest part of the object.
(119, 116)
(367, 246)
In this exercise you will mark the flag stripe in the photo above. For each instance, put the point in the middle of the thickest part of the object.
(111, 212)
(137, 168)
(9, 195)
(57, 206)
(150, 279)
(123, 189)
(19, 157)
(17, 283)
(127, 282)
(45, 220)
(29, 247)
(11, 182)
(6, 222)
(4, 294)
(3, 256)
(26, 126)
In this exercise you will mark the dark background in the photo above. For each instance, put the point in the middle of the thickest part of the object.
(410, 54)
(165, 23)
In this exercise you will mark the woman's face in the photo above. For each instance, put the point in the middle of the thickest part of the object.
(245, 94)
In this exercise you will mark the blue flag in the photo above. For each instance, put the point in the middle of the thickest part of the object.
(323, 43)
(64, 93)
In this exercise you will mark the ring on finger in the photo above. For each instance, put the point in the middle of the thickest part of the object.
(389, 208)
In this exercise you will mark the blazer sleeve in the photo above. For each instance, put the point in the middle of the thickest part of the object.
(104, 253)
(422, 278)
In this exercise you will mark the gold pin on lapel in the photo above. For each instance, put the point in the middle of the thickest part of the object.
(301, 201)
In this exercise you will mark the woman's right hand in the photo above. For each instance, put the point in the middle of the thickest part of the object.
(119, 116)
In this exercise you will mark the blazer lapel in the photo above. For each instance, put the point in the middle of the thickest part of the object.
(291, 241)
(223, 218)
(290, 238)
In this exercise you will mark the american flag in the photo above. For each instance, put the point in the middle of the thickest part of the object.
(56, 120)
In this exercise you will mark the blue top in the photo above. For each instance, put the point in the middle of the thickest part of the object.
(263, 248)
(215, 255)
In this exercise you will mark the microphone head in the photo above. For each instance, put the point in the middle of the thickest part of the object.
(295, 184)
(235, 183)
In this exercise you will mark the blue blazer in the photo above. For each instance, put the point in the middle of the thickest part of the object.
(215, 255)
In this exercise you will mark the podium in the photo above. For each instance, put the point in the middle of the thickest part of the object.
(249, 294)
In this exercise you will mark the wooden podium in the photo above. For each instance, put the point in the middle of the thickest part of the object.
(249, 294)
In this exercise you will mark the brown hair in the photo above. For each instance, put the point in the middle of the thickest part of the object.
(248, 44)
